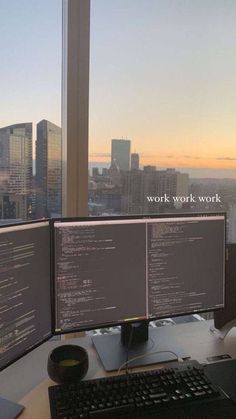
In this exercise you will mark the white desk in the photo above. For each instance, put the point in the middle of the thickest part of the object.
(26, 380)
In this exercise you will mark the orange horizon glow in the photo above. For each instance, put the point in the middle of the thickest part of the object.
(176, 161)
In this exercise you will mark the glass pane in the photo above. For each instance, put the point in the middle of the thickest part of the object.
(30, 109)
(162, 107)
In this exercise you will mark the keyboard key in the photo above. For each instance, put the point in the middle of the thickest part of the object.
(121, 396)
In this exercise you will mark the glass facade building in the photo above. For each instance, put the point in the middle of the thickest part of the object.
(16, 171)
(48, 170)
(120, 152)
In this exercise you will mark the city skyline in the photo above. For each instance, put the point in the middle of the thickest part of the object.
(174, 98)
(119, 189)
(197, 172)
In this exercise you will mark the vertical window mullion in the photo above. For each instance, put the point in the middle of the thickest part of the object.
(75, 106)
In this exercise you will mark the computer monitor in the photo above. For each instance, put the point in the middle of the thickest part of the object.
(25, 289)
(225, 318)
(110, 271)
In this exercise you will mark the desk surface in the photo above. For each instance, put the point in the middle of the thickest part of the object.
(26, 380)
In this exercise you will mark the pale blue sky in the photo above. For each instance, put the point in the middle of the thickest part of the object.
(162, 73)
(30, 71)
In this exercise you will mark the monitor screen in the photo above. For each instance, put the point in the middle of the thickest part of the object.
(111, 271)
(25, 301)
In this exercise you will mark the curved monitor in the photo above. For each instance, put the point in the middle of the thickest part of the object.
(110, 271)
(25, 289)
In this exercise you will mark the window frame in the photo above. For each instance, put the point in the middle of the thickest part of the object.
(75, 106)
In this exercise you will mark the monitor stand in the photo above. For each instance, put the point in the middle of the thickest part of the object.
(223, 330)
(149, 345)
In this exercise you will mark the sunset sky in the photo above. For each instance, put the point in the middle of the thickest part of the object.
(162, 74)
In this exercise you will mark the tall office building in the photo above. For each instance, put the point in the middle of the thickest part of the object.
(134, 161)
(182, 186)
(137, 185)
(48, 169)
(114, 173)
(132, 192)
(120, 152)
(15, 170)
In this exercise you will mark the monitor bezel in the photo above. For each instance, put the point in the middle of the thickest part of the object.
(128, 217)
(46, 339)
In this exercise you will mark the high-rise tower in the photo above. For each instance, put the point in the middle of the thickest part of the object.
(134, 161)
(120, 152)
(15, 170)
(48, 169)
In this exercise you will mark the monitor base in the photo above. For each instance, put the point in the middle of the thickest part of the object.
(224, 330)
(113, 354)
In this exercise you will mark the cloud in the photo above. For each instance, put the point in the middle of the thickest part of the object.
(100, 155)
(150, 156)
(192, 157)
(226, 158)
(147, 156)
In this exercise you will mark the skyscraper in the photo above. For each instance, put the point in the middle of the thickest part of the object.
(120, 152)
(134, 161)
(114, 173)
(137, 185)
(48, 169)
(15, 170)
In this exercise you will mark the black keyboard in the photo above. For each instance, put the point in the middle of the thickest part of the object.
(143, 394)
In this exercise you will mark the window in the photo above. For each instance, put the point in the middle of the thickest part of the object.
(30, 109)
(162, 107)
